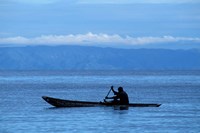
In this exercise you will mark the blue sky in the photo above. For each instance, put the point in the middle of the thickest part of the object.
(96, 22)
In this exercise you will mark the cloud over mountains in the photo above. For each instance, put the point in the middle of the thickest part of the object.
(92, 39)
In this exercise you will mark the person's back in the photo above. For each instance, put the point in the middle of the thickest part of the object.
(123, 96)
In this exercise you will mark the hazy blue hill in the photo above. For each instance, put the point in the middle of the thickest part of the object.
(82, 57)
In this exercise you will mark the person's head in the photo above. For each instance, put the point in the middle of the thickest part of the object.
(120, 89)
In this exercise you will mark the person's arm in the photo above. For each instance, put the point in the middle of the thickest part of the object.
(111, 97)
(115, 92)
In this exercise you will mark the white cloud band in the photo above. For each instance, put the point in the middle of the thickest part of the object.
(93, 39)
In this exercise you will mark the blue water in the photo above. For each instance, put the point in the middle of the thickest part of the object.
(23, 110)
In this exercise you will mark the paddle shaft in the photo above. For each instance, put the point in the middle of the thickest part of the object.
(108, 92)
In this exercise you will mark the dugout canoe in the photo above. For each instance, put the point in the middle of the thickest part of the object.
(56, 102)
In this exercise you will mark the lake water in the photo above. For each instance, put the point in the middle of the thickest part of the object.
(23, 110)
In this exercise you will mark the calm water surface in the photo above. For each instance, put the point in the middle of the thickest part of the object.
(23, 110)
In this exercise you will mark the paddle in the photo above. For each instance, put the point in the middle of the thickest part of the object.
(108, 92)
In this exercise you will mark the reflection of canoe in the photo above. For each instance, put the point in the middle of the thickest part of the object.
(69, 103)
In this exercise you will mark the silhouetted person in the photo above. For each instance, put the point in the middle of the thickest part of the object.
(121, 97)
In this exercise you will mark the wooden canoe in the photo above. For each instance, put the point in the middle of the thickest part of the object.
(71, 103)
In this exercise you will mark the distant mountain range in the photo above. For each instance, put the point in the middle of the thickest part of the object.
(96, 58)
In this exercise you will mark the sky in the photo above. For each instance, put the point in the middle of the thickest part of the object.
(100, 22)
